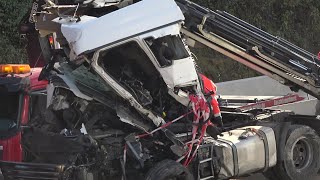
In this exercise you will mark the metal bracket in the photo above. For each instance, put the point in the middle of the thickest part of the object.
(203, 22)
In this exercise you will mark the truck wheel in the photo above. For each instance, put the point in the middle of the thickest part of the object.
(169, 170)
(301, 156)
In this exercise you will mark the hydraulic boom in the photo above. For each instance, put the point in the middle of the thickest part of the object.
(249, 45)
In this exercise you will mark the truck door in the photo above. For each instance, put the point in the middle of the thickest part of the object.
(11, 108)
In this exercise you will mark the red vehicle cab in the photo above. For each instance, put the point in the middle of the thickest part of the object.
(19, 87)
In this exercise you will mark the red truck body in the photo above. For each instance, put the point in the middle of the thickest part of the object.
(10, 145)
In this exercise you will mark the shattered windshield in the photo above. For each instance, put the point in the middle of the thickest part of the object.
(83, 76)
(131, 67)
(167, 49)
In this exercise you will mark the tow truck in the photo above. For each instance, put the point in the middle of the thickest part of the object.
(18, 88)
(126, 101)
(21, 93)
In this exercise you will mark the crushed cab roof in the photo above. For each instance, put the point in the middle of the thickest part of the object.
(130, 21)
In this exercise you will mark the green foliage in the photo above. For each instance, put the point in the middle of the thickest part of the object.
(219, 68)
(11, 12)
(295, 20)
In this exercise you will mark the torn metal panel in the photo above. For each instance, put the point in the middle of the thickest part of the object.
(181, 72)
(50, 91)
(129, 117)
(62, 81)
(73, 87)
(121, 24)
(136, 149)
(181, 97)
(82, 75)
(71, 79)
(126, 95)
(59, 102)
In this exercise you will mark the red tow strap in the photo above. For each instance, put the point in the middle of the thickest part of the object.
(163, 126)
(201, 113)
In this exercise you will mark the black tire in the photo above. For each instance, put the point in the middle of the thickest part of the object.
(169, 169)
(301, 158)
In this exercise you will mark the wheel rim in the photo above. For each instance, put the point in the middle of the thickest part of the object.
(302, 153)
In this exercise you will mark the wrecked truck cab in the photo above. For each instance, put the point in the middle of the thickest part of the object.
(151, 46)
(142, 65)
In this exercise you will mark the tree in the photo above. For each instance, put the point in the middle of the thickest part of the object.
(11, 47)
(298, 21)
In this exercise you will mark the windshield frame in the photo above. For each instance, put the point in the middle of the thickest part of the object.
(14, 130)
(174, 40)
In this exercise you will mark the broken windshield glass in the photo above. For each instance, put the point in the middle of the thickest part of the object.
(132, 68)
(82, 75)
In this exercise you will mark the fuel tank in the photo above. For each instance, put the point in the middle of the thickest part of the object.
(246, 150)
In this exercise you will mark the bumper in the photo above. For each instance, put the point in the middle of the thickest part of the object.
(30, 171)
